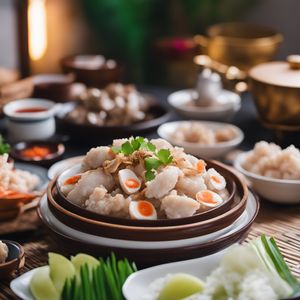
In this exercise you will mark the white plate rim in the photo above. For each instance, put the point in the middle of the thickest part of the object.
(242, 221)
(60, 166)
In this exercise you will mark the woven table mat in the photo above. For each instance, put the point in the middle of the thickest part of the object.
(281, 222)
(27, 221)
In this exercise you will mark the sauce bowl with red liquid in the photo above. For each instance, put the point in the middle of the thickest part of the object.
(30, 119)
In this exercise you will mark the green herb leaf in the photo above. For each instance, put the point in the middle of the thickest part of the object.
(148, 146)
(116, 150)
(152, 163)
(164, 156)
(149, 175)
(4, 147)
(127, 149)
(151, 147)
(135, 144)
(140, 139)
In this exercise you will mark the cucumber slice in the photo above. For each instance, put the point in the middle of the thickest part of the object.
(84, 259)
(60, 269)
(181, 286)
(41, 285)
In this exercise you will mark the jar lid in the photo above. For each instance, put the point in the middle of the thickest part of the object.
(280, 73)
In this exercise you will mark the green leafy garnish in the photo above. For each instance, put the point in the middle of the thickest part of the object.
(161, 157)
(149, 175)
(127, 148)
(164, 155)
(116, 150)
(4, 147)
(132, 145)
(152, 163)
(103, 283)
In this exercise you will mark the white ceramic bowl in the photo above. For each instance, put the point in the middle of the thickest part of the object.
(276, 190)
(179, 100)
(208, 151)
(138, 284)
(28, 126)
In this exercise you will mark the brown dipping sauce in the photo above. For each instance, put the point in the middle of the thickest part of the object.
(31, 110)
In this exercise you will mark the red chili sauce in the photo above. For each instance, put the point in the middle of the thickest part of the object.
(31, 110)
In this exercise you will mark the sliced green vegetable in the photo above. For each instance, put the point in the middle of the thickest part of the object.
(42, 286)
(60, 270)
(181, 286)
(103, 283)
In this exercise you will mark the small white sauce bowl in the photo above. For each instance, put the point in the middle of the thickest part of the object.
(28, 126)
(200, 150)
(231, 103)
(285, 191)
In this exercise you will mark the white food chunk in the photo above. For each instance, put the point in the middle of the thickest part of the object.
(179, 206)
(163, 183)
(104, 203)
(3, 252)
(96, 157)
(88, 182)
(191, 185)
(161, 144)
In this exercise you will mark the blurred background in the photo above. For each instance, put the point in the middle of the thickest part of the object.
(153, 37)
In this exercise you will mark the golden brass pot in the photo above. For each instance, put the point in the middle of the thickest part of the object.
(241, 45)
(276, 90)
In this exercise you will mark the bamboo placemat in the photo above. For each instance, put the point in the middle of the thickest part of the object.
(282, 222)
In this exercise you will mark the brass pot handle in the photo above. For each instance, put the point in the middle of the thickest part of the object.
(202, 42)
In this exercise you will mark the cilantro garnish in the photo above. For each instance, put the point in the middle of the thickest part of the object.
(161, 157)
(4, 147)
(132, 145)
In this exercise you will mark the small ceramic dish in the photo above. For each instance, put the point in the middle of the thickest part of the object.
(15, 260)
(208, 151)
(30, 119)
(180, 100)
(276, 190)
(58, 196)
(93, 70)
(54, 151)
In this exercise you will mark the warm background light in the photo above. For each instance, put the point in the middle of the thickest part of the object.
(37, 29)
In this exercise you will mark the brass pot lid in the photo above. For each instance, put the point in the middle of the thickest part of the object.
(279, 73)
